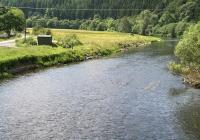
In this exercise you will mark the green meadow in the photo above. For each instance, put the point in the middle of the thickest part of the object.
(94, 44)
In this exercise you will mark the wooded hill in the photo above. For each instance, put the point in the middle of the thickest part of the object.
(147, 17)
(71, 9)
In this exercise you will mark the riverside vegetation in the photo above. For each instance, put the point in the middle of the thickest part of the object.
(188, 52)
(87, 44)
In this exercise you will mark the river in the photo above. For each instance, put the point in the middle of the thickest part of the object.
(128, 97)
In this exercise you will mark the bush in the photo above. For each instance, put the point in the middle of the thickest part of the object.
(85, 25)
(30, 41)
(110, 24)
(178, 68)
(144, 22)
(48, 32)
(124, 25)
(101, 27)
(188, 49)
(93, 25)
(168, 30)
(40, 30)
(69, 41)
(181, 28)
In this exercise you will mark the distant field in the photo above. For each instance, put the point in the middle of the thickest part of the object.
(101, 37)
(94, 44)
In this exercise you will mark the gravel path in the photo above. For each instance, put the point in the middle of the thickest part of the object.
(8, 43)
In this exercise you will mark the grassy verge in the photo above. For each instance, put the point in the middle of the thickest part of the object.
(190, 75)
(95, 44)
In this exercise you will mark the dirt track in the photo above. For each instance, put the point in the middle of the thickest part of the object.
(8, 43)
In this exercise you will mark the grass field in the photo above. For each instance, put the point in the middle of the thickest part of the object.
(101, 37)
(94, 44)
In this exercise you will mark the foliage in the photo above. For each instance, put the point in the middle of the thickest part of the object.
(30, 41)
(101, 27)
(178, 68)
(181, 27)
(124, 25)
(3, 10)
(111, 24)
(38, 30)
(86, 4)
(69, 41)
(168, 30)
(94, 44)
(169, 18)
(144, 22)
(12, 19)
(188, 11)
(188, 49)
(161, 18)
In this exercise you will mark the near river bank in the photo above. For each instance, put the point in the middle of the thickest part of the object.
(94, 45)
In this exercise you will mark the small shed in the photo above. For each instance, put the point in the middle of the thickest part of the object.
(44, 39)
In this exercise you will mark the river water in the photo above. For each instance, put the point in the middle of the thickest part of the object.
(129, 97)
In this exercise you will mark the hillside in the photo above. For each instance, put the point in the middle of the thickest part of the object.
(62, 7)
(168, 18)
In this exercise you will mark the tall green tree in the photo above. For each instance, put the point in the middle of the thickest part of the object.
(188, 49)
(12, 19)
(144, 22)
(124, 25)
(61, 8)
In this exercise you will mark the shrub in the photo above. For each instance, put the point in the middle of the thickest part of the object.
(40, 30)
(124, 25)
(93, 24)
(168, 30)
(101, 27)
(69, 41)
(84, 25)
(188, 49)
(110, 24)
(181, 28)
(48, 32)
(178, 68)
(30, 41)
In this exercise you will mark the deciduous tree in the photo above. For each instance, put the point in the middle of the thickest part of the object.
(12, 19)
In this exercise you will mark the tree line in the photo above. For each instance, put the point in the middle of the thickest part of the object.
(168, 18)
(71, 9)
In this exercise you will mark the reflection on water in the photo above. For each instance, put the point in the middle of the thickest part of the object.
(189, 116)
(132, 96)
(177, 92)
(188, 111)
(160, 49)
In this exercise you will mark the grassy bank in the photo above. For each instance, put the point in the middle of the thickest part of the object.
(190, 75)
(94, 44)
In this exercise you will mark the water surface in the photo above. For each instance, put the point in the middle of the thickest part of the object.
(130, 97)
